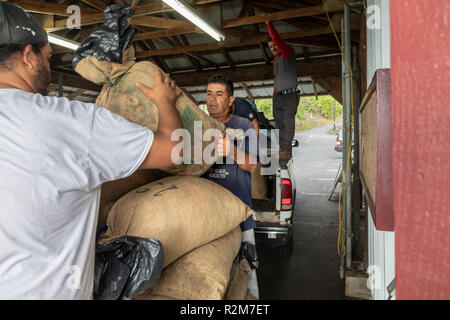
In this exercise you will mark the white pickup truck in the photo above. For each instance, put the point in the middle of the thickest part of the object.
(274, 207)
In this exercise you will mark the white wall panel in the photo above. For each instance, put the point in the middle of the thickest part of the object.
(381, 244)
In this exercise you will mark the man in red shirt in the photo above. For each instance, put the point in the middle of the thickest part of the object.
(286, 95)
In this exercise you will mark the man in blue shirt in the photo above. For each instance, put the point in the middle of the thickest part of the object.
(241, 158)
(242, 108)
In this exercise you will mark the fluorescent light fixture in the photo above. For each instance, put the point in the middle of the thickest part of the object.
(60, 41)
(193, 17)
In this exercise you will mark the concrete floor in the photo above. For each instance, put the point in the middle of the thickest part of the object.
(312, 271)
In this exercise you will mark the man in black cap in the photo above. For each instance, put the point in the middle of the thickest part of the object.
(55, 154)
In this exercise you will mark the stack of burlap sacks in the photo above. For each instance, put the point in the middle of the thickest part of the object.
(196, 220)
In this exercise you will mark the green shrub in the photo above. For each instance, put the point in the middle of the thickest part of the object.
(323, 107)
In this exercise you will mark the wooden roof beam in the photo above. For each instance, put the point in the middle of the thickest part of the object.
(317, 67)
(74, 81)
(97, 4)
(159, 61)
(225, 44)
(155, 22)
(228, 58)
(50, 8)
(94, 16)
(166, 33)
(75, 94)
(247, 90)
(333, 6)
(264, 53)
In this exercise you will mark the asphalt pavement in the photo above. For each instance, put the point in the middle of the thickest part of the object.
(312, 271)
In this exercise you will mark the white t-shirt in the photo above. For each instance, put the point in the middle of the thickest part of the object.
(54, 155)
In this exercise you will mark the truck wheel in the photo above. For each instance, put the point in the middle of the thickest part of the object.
(284, 250)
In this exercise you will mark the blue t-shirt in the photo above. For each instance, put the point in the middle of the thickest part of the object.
(231, 176)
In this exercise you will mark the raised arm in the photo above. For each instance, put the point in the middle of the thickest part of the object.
(164, 96)
(285, 49)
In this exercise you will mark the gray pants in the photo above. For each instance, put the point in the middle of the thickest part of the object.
(284, 111)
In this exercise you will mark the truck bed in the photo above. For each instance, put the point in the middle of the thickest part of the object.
(263, 204)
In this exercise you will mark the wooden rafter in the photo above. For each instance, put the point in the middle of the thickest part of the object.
(50, 8)
(264, 53)
(159, 61)
(241, 63)
(166, 33)
(97, 4)
(318, 67)
(75, 94)
(247, 90)
(181, 40)
(280, 15)
(225, 44)
(228, 58)
(75, 81)
(140, 10)
(155, 22)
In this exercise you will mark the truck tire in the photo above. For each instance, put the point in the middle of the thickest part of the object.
(284, 250)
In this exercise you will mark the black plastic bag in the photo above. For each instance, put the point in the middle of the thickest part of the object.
(112, 37)
(126, 267)
(248, 251)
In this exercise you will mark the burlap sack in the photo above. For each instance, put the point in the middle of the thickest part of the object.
(183, 212)
(259, 184)
(250, 297)
(238, 285)
(120, 95)
(151, 297)
(114, 190)
(201, 274)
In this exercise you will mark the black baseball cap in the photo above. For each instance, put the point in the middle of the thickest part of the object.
(19, 27)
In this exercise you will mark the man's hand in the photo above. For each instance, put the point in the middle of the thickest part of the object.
(164, 96)
(163, 91)
(223, 147)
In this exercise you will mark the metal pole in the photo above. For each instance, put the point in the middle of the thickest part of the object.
(356, 186)
(334, 115)
(348, 136)
(344, 148)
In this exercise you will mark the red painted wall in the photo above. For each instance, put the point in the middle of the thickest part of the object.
(420, 70)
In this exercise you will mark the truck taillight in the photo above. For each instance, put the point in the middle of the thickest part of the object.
(286, 194)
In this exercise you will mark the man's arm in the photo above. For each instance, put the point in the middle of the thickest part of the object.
(224, 146)
(164, 96)
(250, 159)
(285, 49)
(255, 124)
